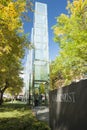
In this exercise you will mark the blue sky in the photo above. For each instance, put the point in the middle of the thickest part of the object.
(55, 8)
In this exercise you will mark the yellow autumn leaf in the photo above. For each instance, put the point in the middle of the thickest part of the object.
(7, 49)
(77, 6)
(75, 3)
(58, 31)
(3, 70)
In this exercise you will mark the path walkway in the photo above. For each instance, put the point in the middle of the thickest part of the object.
(42, 113)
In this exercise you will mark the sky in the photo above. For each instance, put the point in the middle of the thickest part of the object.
(55, 9)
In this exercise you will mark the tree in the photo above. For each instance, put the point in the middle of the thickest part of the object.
(71, 34)
(42, 88)
(16, 88)
(12, 43)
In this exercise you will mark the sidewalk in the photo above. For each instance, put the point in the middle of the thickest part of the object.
(42, 113)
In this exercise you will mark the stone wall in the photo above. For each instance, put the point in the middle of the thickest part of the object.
(68, 107)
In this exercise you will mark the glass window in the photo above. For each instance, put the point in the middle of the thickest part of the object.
(39, 62)
(37, 85)
(39, 25)
(41, 32)
(41, 54)
(40, 19)
(37, 39)
(41, 73)
(37, 31)
(41, 8)
(40, 45)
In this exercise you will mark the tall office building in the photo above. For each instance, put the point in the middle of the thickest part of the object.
(39, 56)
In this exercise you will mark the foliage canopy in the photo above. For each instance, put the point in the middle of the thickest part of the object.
(12, 42)
(70, 32)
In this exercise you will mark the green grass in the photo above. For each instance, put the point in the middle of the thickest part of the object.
(19, 117)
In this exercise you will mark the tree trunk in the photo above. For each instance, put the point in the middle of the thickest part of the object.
(1, 97)
(2, 92)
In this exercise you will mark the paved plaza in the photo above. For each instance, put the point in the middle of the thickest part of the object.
(42, 113)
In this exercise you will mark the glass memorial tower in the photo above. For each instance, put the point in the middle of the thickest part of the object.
(40, 41)
(38, 60)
